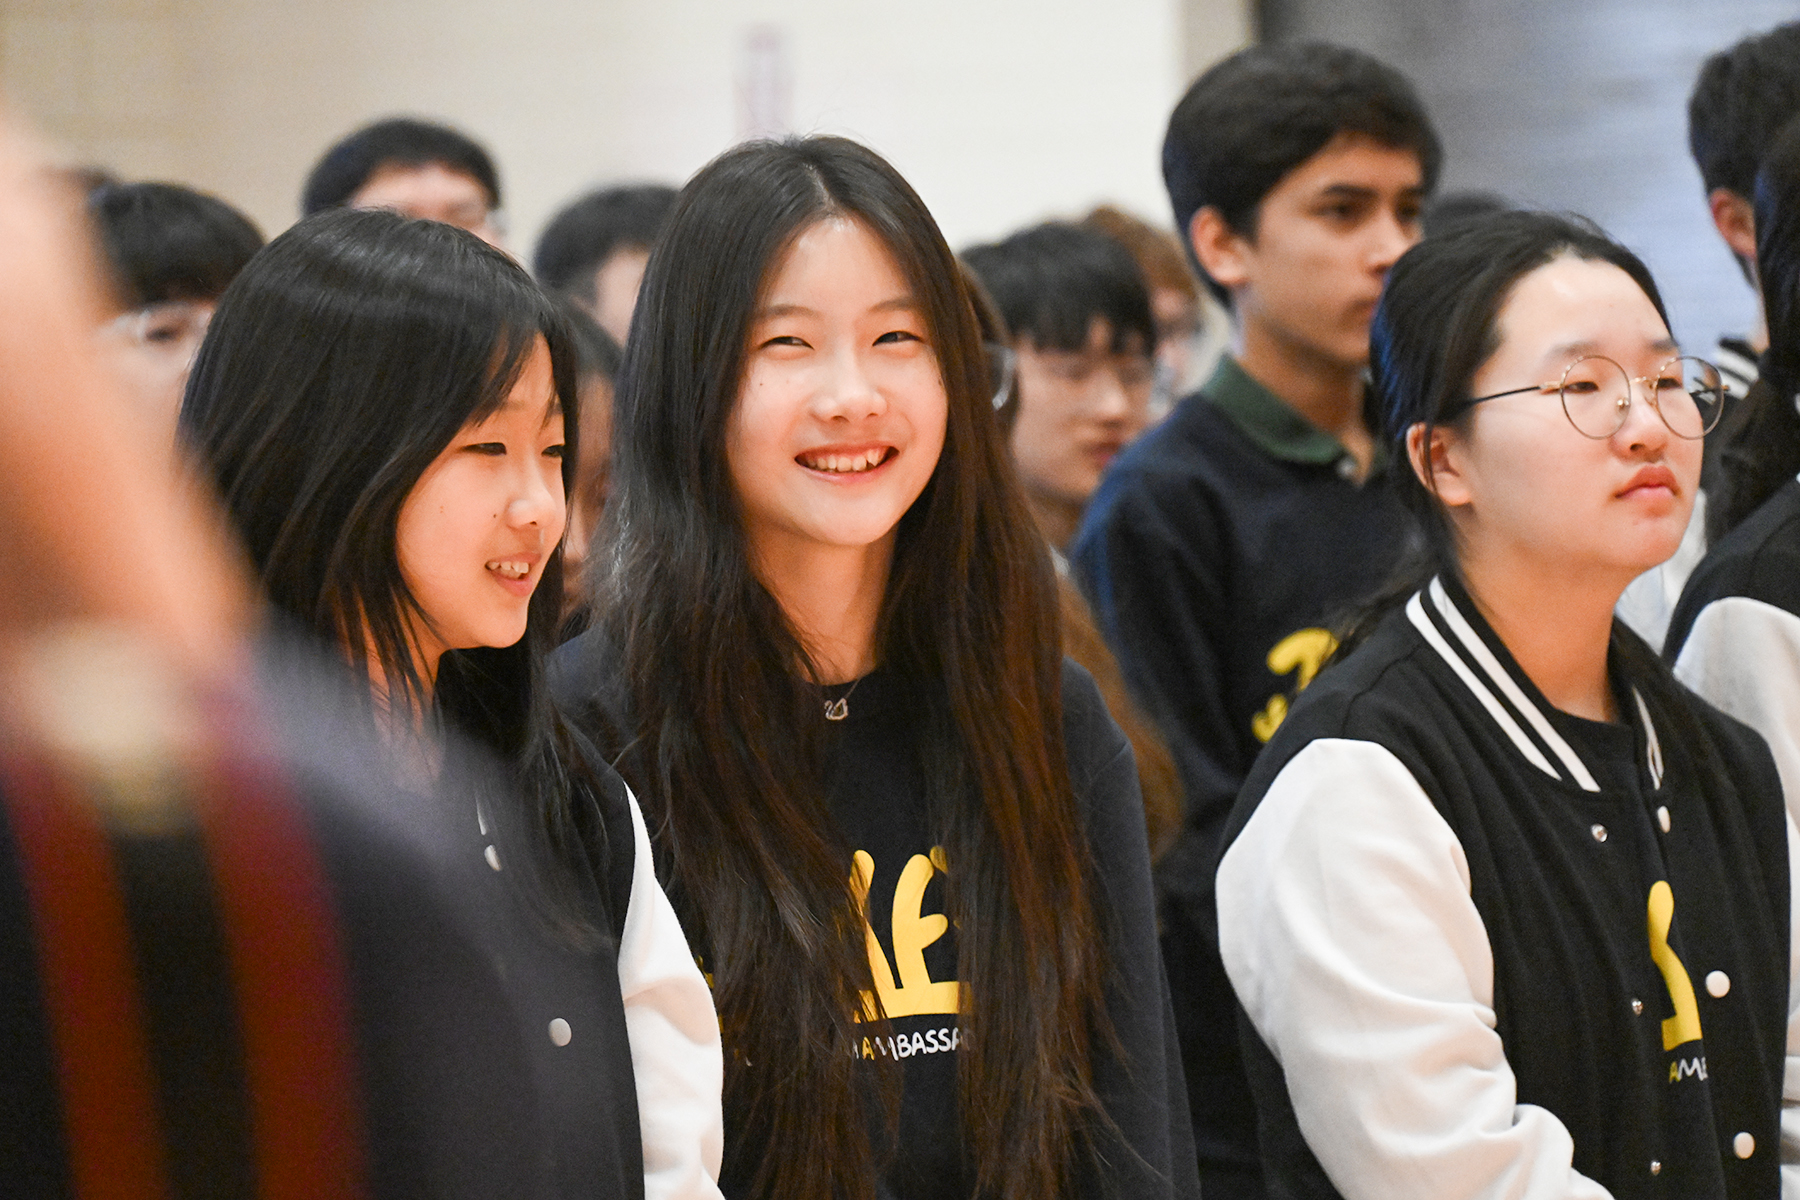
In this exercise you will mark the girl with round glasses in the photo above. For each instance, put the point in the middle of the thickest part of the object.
(1735, 636)
(1506, 908)
(905, 837)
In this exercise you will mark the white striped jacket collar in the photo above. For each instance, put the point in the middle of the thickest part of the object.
(1501, 695)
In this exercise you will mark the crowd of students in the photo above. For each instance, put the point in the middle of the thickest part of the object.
(885, 723)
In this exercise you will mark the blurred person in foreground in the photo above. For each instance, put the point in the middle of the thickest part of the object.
(417, 168)
(232, 961)
(595, 250)
(1221, 543)
(172, 252)
(1083, 342)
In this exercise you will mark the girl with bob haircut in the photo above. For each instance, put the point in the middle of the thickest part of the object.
(904, 835)
(388, 410)
(1506, 907)
(1735, 636)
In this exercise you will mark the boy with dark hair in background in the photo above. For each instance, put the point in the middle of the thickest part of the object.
(1742, 99)
(595, 250)
(1084, 342)
(416, 168)
(1223, 543)
(170, 252)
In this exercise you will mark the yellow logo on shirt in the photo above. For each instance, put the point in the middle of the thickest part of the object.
(916, 992)
(1684, 1026)
(1304, 650)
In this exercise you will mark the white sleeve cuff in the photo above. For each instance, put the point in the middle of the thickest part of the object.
(674, 1033)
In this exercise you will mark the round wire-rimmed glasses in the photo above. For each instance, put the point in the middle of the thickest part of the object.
(1596, 394)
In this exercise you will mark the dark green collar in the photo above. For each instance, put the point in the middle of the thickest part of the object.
(1271, 424)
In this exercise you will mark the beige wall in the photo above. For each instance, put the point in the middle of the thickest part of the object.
(999, 111)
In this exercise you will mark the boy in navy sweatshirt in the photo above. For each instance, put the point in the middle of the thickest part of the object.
(1222, 543)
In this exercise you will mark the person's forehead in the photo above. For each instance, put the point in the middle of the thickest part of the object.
(1357, 161)
(1570, 307)
(396, 178)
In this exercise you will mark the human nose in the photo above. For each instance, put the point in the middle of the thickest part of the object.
(1644, 426)
(846, 389)
(1110, 398)
(538, 500)
(1393, 236)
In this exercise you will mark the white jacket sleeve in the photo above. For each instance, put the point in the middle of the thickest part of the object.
(1349, 934)
(1743, 656)
(674, 1033)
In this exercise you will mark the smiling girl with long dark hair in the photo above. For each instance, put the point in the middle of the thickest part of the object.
(905, 836)
(388, 409)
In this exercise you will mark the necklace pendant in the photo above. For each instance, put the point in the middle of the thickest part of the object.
(838, 709)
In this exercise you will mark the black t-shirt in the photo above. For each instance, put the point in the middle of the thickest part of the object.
(878, 796)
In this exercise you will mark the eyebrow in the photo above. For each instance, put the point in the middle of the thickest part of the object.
(896, 304)
(1582, 349)
(510, 404)
(1358, 191)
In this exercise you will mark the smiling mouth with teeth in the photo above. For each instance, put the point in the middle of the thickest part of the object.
(509, 570)
(846, 464)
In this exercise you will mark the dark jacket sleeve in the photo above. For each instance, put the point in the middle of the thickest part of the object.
(1140, 1081)
(1148, 558)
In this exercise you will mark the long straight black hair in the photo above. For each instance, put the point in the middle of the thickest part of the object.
(726, 747)
(340, 363)
(1762, 449)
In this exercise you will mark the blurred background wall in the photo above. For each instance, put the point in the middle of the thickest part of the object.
(1570, 104)
(999, 111)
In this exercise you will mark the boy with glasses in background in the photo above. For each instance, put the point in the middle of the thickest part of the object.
(1084, 344)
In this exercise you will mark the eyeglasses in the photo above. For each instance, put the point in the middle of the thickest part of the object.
(1686, 393)
(1002, 363)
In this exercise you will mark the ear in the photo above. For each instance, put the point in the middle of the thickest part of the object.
(1437, 462)
(1735, 220)
(1220, 250)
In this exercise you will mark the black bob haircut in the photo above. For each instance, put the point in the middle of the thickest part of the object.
(1050, 281)
(1249, 121)
(1741, 99)
(166, 242)
(584, 235)
(339, 364)
(1438, 322)
(397, 141)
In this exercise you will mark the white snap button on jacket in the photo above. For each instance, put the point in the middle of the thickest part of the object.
(1662, 818)
(1743, 1145)
(493, 857)
(1599, 833)
(1637, 1007)
(1718, 983)
(1655, 1167)
(560, 1033)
